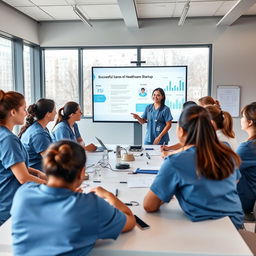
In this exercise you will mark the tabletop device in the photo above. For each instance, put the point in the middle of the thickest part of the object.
(103, 147)
(140, 223)
(145, 171)
(117, 91)
(136, 148)
(122, 166)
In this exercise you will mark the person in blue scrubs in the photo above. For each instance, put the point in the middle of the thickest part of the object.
(66, 126)
(34, 135)
(223, 124)
(202, 175)
(158, 118)
(13, 156)
(73, 220)
(247, 151)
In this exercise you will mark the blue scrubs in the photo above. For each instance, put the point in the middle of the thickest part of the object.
(58, 221)
(11, 153)
(156, 121)
(200, 198)
(246, 186)
(36, 139)
(63, 131)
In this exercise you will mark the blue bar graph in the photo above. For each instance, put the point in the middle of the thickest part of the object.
(176, 88)
(177, 104)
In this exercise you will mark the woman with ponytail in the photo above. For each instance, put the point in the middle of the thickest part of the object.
(34, 135)
(75, 220)
(14, 169)
(246, 186)
(202, 175)
(66, 126)
(223, 124)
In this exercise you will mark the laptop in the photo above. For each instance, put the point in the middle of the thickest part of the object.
(103, 147)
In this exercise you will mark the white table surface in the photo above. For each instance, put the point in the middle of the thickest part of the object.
(170, 233)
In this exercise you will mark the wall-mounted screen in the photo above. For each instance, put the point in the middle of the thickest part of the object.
(119, 91)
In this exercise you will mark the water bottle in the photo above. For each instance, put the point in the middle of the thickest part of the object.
(105, 158)
(118, 151)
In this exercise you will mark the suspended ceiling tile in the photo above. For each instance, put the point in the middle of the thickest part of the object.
(155, 10)
(61, 12)
(200, 9)
(103, 2)
(35, 13)
(49, 2)
(225, 7)
(251, 11)
(102, 11)
(15, 3)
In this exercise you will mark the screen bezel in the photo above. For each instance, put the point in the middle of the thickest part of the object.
(135, 67)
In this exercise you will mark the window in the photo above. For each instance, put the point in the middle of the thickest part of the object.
(27, 74)
(102, 57)
(61, 76)
(6, 66)
(196, 58)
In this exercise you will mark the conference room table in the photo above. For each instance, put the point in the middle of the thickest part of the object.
(170, 232)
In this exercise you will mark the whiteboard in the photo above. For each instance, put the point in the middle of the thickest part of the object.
(229, 98)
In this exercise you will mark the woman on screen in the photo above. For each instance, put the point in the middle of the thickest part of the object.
(247, 151)
(66, 126)
(203, 175)
(73, 220)
(158, 118)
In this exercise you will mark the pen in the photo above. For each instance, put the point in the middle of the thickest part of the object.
(147, 155)
(123, 182)
(128, 204)
(116, 194)
(97, 181)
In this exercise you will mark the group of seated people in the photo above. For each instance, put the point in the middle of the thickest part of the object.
(39, 181)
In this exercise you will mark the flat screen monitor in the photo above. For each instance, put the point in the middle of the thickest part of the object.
(119, 91)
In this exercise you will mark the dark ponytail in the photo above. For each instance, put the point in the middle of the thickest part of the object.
(37, 112)
(215, 160)
(249, 112)
(222, 119)
(64, 159)
(8, 101)
(64, 113)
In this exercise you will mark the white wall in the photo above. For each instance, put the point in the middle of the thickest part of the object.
(234, 53)
(17, 24)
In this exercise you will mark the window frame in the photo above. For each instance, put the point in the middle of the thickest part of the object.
(80, 50)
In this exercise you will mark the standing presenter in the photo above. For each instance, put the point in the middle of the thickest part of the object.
(158, 118)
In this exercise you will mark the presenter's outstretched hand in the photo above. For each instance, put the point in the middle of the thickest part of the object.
(156, 141)
(135, 116)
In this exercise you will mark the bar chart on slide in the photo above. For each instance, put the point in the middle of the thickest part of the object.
(176, 104)
(171, 87)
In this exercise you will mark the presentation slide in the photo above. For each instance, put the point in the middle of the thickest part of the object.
(119, 91)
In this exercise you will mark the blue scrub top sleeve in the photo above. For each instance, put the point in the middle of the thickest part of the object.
(41, 142)
(77, 133)
(166, 182)
(111, 220)
(12, 152)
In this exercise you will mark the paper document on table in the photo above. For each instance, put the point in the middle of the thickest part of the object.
(155, 152)
(140, 182)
